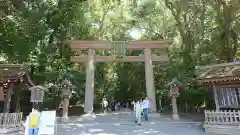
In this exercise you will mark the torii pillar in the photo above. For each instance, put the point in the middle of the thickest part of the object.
(150, 79)
(89, 88)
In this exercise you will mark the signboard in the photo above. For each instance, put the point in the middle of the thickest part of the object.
(37, 95)
(47, 123)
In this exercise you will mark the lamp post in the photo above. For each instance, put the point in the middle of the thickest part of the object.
(37, 94)
(66, 92)
(174, 93)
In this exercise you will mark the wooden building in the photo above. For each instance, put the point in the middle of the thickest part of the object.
(224, 79)
(12, 78)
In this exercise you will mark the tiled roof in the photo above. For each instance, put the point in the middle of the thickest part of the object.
(220, 73)
(12, 72)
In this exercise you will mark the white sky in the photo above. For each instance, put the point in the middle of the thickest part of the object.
(135, 33)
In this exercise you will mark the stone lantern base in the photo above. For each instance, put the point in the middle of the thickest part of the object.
(65, 118)
(88, 116)
(175, 117)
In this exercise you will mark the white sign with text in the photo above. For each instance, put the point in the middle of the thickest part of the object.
(47, 123)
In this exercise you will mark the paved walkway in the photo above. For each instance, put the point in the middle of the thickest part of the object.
(122, 123)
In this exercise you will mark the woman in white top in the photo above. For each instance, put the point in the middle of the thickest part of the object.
(105, 105)
(138, 109)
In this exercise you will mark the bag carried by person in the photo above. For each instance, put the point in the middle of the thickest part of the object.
(34, 120)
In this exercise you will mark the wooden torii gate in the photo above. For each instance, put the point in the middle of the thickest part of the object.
(91, 58)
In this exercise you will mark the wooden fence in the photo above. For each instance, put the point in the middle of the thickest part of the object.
(230, 117)
(10, 119)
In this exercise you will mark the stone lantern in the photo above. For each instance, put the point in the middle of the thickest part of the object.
(37, 94)
(174, 93)
(66, 92)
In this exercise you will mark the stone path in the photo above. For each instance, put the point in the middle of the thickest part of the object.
(122, 123)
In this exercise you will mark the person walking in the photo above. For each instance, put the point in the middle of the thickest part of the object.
(138, 109)
(105, 105)
(113, 105)
(119, 105)
(146, 106)
(116, 106)
(133, 105)
(127, 104)
(32, 123)
(141, 103)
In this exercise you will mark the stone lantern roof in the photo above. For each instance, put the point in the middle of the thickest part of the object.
(175, 83)
(66, 83)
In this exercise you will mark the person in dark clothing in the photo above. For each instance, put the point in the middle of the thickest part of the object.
(113, 106)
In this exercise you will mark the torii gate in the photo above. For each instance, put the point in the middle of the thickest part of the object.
(120, 47)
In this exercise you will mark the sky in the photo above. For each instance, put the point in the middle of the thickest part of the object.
(135, 33)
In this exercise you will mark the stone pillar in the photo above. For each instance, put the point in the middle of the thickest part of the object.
(65, 108)
(89, 88)
(215, 97)
(150, 79)
(175, 115)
